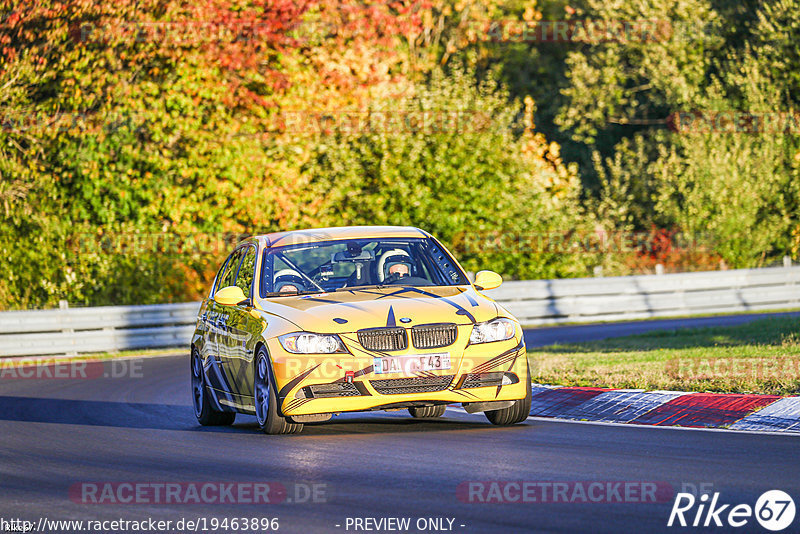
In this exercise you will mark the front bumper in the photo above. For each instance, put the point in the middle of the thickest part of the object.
(314, 384)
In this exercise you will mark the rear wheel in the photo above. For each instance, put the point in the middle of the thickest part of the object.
(517, 412)
(427, 412)
(203, 410)
(267, 402)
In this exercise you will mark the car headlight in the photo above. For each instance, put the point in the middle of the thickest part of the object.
(498, 329)
(308, 343)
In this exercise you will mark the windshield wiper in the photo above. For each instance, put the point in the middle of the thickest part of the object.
(293, 294)
(357, 288)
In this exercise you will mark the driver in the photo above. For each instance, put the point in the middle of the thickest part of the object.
(288, 281)
(394, 264)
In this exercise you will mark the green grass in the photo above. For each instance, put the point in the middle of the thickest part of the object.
(681, 316)
(758, 357)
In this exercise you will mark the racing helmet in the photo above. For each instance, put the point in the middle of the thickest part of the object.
(389, 259)
(288, 277)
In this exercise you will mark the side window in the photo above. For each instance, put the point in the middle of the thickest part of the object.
(229, 273)
(247, 269)
(218, 279)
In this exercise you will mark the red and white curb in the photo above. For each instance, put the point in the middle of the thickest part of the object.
(668, 408)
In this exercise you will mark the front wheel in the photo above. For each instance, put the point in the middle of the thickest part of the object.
(427, 412)
(267, 402)
(203, 410)
(517, 412)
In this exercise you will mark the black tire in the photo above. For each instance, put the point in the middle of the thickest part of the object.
(517, 412)
(205, 413)
(266, 399)
(427, 412)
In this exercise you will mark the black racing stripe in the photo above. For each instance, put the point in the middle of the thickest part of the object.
(222, 381)
(219, 388)
(488, 366)
(362, 372)
(296, 380)
(358, 348)
(392, 294)
(370, 292)
(214, 374)
(460, 308)
(500, 359)
(362, 388)
(296, 403)
(511, 366)
(460, 381)
(493, 363)
(390, 321)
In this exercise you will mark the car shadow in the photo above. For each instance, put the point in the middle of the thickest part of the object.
(177, 417)
(379, 423)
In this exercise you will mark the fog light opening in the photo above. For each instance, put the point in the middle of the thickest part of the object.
(510, 378)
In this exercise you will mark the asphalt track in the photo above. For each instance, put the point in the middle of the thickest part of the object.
(140, 428)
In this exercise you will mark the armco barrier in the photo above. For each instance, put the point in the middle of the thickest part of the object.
(98, 329)
(113, 328)
(615, 298)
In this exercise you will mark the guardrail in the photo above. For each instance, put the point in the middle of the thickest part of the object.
(535, 302)
(99, 329)
(617, 298)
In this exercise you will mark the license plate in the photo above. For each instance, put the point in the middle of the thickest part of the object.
(411, 363)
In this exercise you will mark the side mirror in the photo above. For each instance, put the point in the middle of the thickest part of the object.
(228, 296)
(487, 280)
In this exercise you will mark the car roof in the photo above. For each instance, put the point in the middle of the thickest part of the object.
(313, 235)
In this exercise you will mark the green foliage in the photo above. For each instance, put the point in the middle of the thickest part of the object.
(121, 143)
(108, 140)
(113, 132)
(739, 189)
(466, 184)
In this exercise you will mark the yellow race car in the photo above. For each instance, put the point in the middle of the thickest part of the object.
(299, 326)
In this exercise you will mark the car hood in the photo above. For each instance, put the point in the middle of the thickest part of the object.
(349, 311)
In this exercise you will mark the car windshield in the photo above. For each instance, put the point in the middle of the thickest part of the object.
(360, 263)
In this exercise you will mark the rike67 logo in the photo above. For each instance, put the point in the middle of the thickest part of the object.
(774, 510)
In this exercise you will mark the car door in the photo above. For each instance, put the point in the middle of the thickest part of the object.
(244, 328)
(217, 317)
(208, 318)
